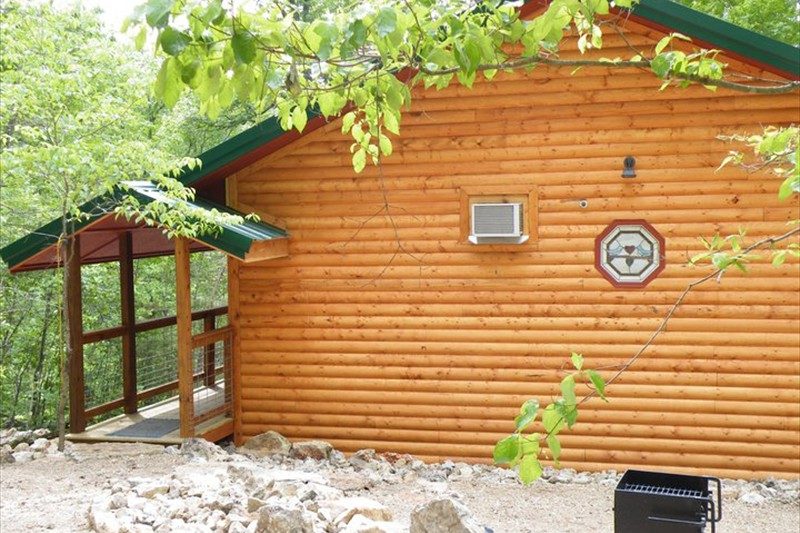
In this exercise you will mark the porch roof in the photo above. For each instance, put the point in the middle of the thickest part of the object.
(100, 232)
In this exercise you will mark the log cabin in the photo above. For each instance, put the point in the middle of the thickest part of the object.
(413, 307)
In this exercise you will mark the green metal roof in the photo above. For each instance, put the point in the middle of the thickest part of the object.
(721, 34)
(234, 240)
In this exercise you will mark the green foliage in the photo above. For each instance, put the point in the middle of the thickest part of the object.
(358, 60)
(76, 117)
(775, 18)
(776, 150)
(525, 450)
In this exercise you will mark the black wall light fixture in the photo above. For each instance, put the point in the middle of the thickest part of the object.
(629, 167)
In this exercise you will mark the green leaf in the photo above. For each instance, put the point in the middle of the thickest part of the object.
(552, 420)
(568, 412)
(173, 42)
(386, 21)
(386, 145)
(527, 414)
(167, 86)
(660, 66)
(788, 187)
(779, 258)
(530, 469)
(157, 12)
(598, 382)
(347, 121)
(555, 447)
(359, 160)
(189, 72)
(663, 44)
(568, 390)
(140, 38)
(507, 450)
(244, 47)
(577, 361)
(390, 123)
(299, 118)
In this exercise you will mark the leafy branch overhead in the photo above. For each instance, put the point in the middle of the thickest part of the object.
(361, 60)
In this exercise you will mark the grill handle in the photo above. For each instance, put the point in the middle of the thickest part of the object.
(699, 522)
(716, 516)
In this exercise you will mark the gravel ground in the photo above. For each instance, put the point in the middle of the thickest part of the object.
(53, 494)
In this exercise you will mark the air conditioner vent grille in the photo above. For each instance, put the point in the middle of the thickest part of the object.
(497, 220)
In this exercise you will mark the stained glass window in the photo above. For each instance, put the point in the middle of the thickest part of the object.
(629, 253)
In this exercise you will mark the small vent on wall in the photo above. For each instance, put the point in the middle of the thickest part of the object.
(497, 223)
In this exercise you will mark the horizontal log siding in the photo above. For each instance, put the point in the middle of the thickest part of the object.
(389, 333)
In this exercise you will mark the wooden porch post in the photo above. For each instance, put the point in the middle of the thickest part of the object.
(128, 321)
(183, 313)
(74, 314)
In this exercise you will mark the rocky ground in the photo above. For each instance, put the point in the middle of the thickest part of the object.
(273, 486)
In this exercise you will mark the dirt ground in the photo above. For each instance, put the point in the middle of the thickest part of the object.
(53, 494)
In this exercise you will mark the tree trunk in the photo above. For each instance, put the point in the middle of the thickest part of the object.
(37, 397)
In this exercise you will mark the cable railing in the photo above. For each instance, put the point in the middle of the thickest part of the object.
(156, 370)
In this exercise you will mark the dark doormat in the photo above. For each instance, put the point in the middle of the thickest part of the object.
(150, 427)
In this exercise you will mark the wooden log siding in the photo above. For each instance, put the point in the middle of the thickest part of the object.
(432, 353)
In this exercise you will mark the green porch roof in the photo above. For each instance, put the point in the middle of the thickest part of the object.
(233, 239)
(100, 230)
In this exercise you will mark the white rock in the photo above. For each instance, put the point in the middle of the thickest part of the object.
(313, 449)
(443, 516)
(361, 524)
(6, 454)
(269, 443)
(363, 459)
(149, 490)
(22, 457)
(40, 445)
(101, 520)
(202, 450)
(346, 508)
(274, 518)
(752, 497)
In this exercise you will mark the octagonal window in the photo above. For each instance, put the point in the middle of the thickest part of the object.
(629, 253)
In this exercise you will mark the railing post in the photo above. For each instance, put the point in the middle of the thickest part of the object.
(74, 318)
(128, 308)
(209, 370)
(183, 313)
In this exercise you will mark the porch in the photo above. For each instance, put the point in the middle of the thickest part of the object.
(159, 423)
(178, 387)
(153, 411)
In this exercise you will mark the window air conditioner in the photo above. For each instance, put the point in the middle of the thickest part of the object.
(497, 223)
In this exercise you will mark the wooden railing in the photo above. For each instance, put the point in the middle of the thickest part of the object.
(131, 397)
(222, 404)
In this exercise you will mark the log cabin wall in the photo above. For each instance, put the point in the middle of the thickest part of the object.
(387, 330)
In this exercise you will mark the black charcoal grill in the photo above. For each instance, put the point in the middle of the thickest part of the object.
(655, 502)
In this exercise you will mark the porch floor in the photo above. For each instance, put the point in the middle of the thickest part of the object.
(167, 411)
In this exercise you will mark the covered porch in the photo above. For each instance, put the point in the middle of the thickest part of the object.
(183, 385)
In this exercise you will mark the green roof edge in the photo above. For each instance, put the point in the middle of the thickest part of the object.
(34, 242)
(228, 240)
(721, 34)
(232, 149)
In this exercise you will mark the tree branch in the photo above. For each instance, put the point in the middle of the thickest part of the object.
(523, 62)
